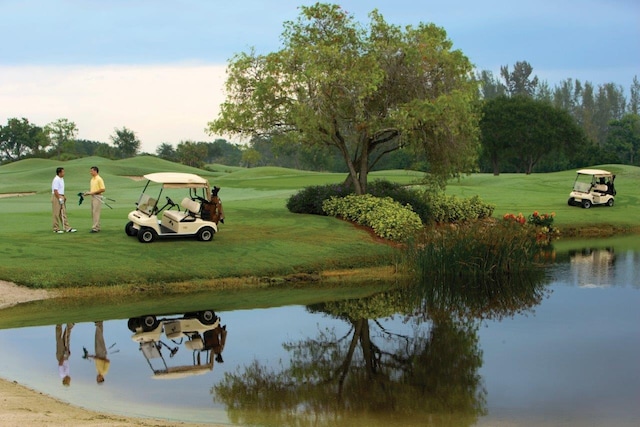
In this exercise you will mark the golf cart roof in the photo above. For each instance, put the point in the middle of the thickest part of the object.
(178, 180)
(175, 372)
(596, 172)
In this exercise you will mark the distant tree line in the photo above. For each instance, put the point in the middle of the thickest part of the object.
(529, 127)
(526, 126)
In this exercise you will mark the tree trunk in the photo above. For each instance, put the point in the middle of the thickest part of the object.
(495, 165)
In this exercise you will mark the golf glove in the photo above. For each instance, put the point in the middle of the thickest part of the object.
(61, 200)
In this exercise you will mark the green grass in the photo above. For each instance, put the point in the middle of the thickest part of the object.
(514, 193)
(259, 237)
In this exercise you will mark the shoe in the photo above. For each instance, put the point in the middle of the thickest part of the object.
(58, 231)
(95, 231)
(71, 230)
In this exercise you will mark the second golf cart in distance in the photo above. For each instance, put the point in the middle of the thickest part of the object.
(197, 215)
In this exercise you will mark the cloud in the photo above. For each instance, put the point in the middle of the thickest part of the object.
(167, 103)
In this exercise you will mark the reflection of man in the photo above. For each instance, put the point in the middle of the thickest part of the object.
(100, 357)
(63, 351)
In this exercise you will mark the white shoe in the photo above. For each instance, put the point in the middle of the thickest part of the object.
(71, 230)
(58, 231)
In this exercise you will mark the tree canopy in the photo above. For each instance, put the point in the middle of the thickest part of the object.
(19, 138)
(126, 141)
(363, 91)
(522, 130)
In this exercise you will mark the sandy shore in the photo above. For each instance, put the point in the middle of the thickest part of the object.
(21, 406)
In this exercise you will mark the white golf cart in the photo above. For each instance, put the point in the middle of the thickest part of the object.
(192, 218)
(593, 187)
(197, 331)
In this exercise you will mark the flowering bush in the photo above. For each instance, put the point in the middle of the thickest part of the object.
(542, 222)
(520, 219)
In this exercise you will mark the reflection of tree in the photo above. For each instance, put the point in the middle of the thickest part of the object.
(373, 376)
(368, 376)
(482, 299)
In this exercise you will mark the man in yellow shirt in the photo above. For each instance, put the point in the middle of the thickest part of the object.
(96, 188)
(100, 357)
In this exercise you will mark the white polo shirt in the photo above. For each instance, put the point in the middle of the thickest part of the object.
(57, 184)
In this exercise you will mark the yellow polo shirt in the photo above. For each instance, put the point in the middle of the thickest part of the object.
(96, 184)
(102, 366)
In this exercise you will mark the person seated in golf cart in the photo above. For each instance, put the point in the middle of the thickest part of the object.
(604, 186)
(212, 209)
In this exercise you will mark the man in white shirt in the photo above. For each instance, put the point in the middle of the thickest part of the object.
(58, 200)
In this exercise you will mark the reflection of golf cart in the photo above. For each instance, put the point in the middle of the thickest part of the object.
(591, 268)
(149, 222)
(592, 187)
(197, 331)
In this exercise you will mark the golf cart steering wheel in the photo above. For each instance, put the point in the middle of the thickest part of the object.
(171, 202)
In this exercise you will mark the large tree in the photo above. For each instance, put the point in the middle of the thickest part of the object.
(522, 130)
(19, 138)
(126, 141)
(192, 153)
(364, 91)
(62, 134)
(623, 139)
(519, 81)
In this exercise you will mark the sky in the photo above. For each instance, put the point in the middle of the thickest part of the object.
(157, 67)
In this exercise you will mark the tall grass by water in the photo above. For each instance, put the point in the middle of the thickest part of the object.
(477, 251)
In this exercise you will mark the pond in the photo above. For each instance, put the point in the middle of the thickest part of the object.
(564, 351)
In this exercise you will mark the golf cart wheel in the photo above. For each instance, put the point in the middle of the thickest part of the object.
(207, 317)
(133, 324)
(205, 234)
(610, 202)
(147, 235)
(129, 229)
(586, 203)
(148, 323)
(570, 202)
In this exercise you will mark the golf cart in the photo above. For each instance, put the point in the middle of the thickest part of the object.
(197, 215)
(592, 187)
(200, 332)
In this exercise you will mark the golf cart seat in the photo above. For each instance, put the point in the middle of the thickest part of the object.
(601, 188)
(194, 344)
(191, 211)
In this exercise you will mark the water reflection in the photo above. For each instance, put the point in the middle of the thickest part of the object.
(199, 332)
(593, 268)
(459, 354)
(63, 351)
(99, 356)
(372, 374)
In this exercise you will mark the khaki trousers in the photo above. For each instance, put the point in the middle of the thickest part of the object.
(59, 214)
(96, 207)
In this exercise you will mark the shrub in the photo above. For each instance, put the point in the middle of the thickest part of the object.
(388, 218)
(401, 194)
(309, 199)
(451, 209)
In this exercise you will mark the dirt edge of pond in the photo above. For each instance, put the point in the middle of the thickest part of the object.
(23, 406)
